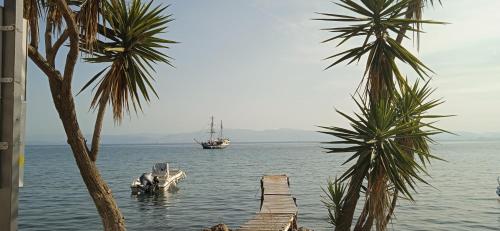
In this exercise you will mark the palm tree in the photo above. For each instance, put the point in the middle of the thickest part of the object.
(385, 163)
(108, 31)
(384, 137)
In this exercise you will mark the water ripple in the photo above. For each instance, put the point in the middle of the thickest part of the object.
(223, 186)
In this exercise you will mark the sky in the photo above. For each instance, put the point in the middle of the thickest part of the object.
(258, 64)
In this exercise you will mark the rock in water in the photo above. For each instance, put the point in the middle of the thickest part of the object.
(304, 229)
(219, 227)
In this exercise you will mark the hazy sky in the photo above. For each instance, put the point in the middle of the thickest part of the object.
(257, 64)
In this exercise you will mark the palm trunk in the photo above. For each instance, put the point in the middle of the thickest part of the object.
(351, 200)
(60, 88)
(345, 219)
(96, 138)
(368, 225)
(111, 216)
(391, 209)
(401, 34)
(375, 96)
(362, 218)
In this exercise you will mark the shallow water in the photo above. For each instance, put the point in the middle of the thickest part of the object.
(223, 186)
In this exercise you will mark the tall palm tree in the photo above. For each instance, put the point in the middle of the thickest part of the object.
(130, 46)
(125, 35)
(379, 131)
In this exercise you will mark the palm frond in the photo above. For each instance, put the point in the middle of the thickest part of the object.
(373, 22)
(90, 13)
(132, 45)
(31, 12)
(375, 136)
(333, 199)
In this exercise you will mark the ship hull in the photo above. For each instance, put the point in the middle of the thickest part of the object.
(214, 146)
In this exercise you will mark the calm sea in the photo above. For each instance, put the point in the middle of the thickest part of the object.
(223, 186)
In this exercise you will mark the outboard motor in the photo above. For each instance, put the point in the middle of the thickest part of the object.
(148, 183)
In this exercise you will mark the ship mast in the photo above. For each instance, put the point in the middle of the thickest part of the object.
(212, 131)
(221, 129)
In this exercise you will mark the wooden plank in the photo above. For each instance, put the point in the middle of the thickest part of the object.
(278, 204)
(278, 211)
(277, 184)
(268, 222)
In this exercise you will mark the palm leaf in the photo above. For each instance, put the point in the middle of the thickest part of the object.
(130, 44)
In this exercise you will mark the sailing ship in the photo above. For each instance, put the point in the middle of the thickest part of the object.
(215, 143)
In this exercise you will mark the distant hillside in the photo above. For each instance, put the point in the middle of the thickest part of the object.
(242, 135)
(236, 135)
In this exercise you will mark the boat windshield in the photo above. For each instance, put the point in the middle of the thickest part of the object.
(160, 169)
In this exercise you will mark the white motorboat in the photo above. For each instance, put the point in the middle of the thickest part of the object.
(160, 179)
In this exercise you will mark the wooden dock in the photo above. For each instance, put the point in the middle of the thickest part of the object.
(278, 210)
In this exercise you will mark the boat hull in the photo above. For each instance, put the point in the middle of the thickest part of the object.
(217, 144)
(214, 146)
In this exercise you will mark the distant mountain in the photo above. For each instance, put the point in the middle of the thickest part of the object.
(468, 136)
(235, 135)
(241, 135)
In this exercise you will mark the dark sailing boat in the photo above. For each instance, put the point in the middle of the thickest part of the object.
(215, 143)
